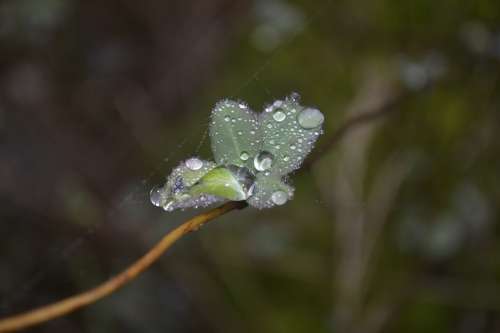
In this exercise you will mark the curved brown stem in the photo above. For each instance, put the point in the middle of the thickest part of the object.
(73, 303)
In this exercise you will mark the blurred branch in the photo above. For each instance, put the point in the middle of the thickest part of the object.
(76, 302)
(71, 304)
(365, 116)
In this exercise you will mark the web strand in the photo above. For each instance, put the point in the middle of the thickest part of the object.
(139, 194)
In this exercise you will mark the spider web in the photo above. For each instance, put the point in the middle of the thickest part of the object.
(138, 194)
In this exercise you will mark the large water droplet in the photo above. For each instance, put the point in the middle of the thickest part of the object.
(244, 177)
(156, 196)
(194, 163)
(279, 115)
(263, 161)
(279, 198)
(244, 156)
(310, 118)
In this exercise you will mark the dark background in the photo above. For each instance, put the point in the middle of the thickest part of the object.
(394, 229)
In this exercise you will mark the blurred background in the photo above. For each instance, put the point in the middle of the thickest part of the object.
(394, 229)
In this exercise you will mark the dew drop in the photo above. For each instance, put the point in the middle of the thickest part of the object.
(227, 118)
(310, 118)
(263, 161)
(278, 103)
(279, 198)
(279, 115)
(293, 147)
(251, 190)
(194, 163)
(169, 206)
(294, 96)
(286, 158)
(244, 156)
(244, 178)
(155, 196)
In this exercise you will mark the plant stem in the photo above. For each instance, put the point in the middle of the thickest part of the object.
(73, 303)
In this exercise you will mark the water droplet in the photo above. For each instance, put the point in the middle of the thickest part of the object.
(279, 198)
(244, 177)
(227, 118)
(286, 158)
(251, 190)
(169, 206)
(279, 115)
(240, 133)
(310, 118)
(244, 156)
(263, 161)
(194, 163)
(294, 97)
(292, 147)
(156, 195)
(278, 103)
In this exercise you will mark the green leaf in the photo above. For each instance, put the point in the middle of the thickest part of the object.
(233, 133)
(289, 131)
(175, 193)
(231, 183)
(270, 190)
(253, 152)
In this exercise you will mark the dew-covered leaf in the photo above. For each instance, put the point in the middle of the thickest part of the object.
(269, 190)
(175, 193)
(253, 154)
(232, 183)
(288, 132)
(233, 133)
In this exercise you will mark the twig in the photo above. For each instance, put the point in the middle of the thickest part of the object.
(76, 302)
(364, 117)
(73, 303)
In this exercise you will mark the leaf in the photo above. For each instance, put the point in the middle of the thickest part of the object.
(230, 183)
(233, 133)
(270, 190)
(175, 193)
(288, 132)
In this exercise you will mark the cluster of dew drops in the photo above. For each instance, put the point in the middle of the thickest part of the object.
(259, 149)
